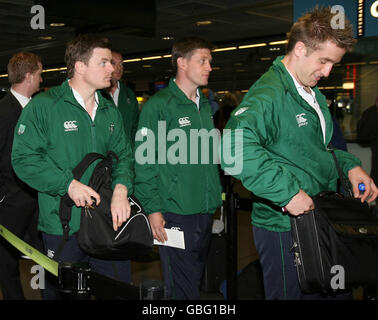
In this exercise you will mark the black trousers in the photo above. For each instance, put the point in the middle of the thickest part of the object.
(19, 214)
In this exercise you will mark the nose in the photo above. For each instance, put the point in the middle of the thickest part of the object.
(327, 69)
(208, 65)
(111, 68)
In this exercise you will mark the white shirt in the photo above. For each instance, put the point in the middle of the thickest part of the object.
(311, 100)
(20, 98)
(115, 95)
(80, 100)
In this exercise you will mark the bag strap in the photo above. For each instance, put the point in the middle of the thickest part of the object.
(344, 183)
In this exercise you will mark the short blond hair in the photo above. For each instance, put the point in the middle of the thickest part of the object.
(315, 28)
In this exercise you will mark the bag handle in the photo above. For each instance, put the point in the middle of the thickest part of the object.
(344, 183)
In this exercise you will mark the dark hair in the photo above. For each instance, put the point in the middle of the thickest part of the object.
(20, 64)
(315, 27)
(81, 49)
(185, 48)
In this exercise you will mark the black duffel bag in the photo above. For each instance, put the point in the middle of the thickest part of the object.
(336, 244)
(133, 239)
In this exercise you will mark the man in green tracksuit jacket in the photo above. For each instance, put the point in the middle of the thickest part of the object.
(177, 179)
(124, 98)
(286, 128)
(54, 133)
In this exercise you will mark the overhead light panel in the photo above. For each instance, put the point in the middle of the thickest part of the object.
(152, 58)
(55, 69)
(45, 38)
(255, 45)
(274, 43)
(132, 60)
(348, 85)
(225, 49)
(57, 24)
(203, 23)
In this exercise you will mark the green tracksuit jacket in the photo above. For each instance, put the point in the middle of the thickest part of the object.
(128, 106)
(52, 136)
(170, 181)
(283, 149)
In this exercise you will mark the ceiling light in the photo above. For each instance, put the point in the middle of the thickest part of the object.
(225, 49)
(203, 23)
(152, 58)
(167, 56)
(57, 24)
(54, 69)
(252, 45)
(132, 60)
(3, 75)
(265, 59)
(278, 42)
(215, 68)
(167, 38)
(45, 37)
(146, 66)
(348, 85)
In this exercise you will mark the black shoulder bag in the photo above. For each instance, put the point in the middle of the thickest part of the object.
(336, 244)
(96, 236)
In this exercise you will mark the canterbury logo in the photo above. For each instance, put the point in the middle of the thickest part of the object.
(184, 121)
(70, 125)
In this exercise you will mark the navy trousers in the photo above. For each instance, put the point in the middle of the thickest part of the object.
(279, 271)
(118, 270)
(182, 269)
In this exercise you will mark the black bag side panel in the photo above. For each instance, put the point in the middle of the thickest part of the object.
(311, 265)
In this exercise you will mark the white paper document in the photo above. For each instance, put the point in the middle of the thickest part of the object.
(175, 239)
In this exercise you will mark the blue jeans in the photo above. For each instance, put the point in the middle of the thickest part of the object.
(118, 270)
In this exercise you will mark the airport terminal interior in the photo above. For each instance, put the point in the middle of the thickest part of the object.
(248, 35)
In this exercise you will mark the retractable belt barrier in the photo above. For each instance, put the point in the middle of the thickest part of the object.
(77, 280)
(38, 257)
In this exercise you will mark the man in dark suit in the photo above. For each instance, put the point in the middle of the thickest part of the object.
(18, 202)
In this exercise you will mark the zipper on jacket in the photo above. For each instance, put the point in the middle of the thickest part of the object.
(93, 132)
(206, 171)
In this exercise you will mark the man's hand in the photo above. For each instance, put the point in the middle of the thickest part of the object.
(120, 206)
(300, 203)
(81, 194)
(157, 223)
(356, 176)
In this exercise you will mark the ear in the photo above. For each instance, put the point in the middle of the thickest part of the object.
(27, 77)
(80, 67)
(181, 63)
(300, 49)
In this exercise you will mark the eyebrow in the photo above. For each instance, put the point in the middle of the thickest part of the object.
(329, 60)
